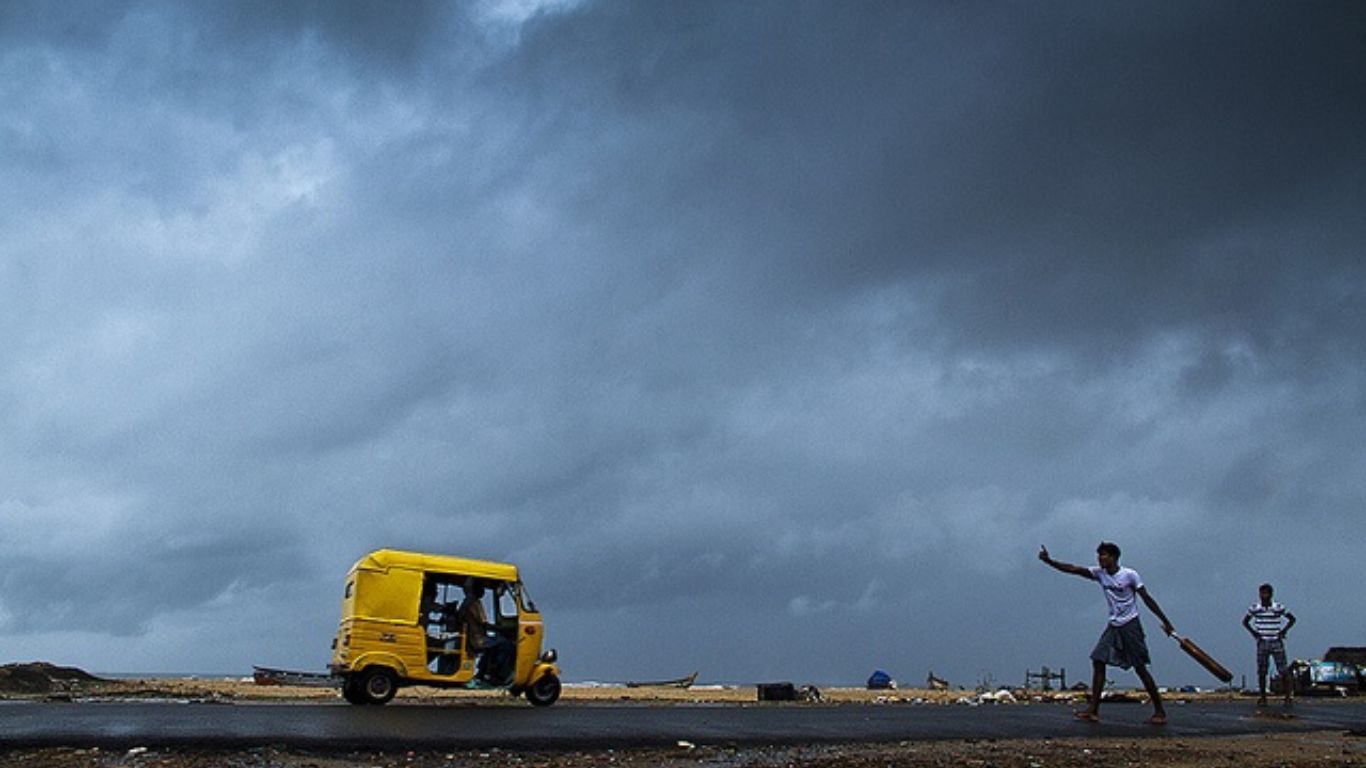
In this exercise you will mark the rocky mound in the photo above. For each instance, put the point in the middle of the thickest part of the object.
(42, 677)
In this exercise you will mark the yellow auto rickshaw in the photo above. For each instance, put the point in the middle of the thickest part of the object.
(414, 619)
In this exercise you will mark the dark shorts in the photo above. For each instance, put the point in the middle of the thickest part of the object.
(1122, 646)
(1274, 649)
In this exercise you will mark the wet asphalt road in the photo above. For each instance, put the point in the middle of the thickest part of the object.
(587, 726)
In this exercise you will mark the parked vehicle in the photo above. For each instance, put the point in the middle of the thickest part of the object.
(1316, 677)
(409, 618)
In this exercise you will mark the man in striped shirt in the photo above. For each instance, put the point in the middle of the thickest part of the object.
(1268, 621)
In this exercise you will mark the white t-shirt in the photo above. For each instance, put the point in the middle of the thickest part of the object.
(1121, 593)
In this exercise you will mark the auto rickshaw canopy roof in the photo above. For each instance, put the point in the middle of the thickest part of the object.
(384, 559)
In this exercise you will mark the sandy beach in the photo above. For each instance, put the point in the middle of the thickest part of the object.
(75, 687)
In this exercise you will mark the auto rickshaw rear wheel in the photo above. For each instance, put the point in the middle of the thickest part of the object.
(378, 685)
(544, 691)
(351, 691)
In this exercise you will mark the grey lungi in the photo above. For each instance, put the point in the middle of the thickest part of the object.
(1123, 646)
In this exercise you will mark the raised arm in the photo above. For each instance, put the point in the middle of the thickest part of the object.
(1156, 609)
(1075, 570)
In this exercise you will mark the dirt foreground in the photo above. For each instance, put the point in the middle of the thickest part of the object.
(1301, 750)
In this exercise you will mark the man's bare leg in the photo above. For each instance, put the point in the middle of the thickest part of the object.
(1092, 711)
(1159, 713)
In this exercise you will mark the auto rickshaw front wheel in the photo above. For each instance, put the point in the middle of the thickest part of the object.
(544, 691)
(377, 685)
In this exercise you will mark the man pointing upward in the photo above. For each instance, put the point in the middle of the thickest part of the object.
(1122, 644)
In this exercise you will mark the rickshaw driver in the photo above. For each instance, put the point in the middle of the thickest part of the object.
(480, 635)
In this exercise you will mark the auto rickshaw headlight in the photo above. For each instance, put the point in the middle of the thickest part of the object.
(550, 656)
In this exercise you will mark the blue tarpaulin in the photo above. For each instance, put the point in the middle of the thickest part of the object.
(880, 681)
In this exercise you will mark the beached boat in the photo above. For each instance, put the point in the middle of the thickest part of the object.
(682, 682)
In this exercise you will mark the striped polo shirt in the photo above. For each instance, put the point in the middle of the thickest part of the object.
(1267, 620)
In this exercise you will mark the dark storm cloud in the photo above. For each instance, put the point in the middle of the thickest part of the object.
(788, 319)
(1047, 183)
(1072, 169)
(369, 33)
(86, 593)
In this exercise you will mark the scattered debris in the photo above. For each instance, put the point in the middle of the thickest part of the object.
(1003, 696)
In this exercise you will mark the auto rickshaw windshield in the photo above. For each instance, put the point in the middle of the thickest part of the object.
(527, 604)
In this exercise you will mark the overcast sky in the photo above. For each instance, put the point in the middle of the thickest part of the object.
(769, 339)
